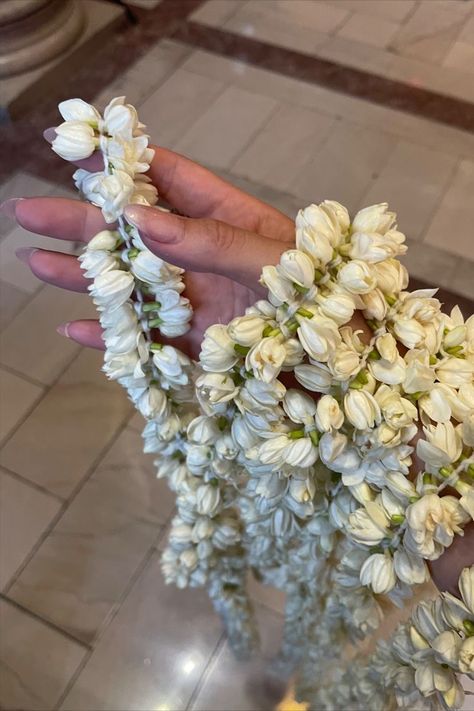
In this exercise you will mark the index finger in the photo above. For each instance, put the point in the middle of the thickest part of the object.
(61, 218)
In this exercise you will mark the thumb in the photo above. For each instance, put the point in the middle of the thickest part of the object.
(205, 245)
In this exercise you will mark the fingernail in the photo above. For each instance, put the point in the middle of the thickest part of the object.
(63, 329)
(49, 134)
(8, 208)
(24, 253)
(136, 215)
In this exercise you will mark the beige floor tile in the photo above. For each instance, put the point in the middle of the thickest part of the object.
(281, 148)
(83, 567)
(396, 10)
(36, 662)
(145, 75)
(220, 134)
(320, 16)
(243, 686)
(463, 278)
(11, 301)
(429, 32)
(137, 422)
(172, 108)
(30, 344)
(152, 654)
(367, 114)
(67, 431)
(215, 13)
(21, 185)
(259, 20)
(430, 264)
(345, 166)
(25, 512)
(286, 203)
(17, 397)
(461, 56)
(452, 225)
(412, 182)
(369, 29)
(14, 272)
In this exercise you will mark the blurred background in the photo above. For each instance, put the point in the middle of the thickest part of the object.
(295, 101)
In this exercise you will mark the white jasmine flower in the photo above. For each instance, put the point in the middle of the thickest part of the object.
(208, 500)
(466, 656)
(431, 677)
(266, 358)
(281, 289)
(442, 446)
(322, 222)
(372, 247)
(391, 276)
(399, 484)
(397, 411)
(75, 140)
(315, 377)
(446, 646)
(374, 305)
(377, 573)
(132, 156)
(297, 267)
(375, 218)
(362, 409)
(419, 376)
(96, 262)
(226, 534)
(215, 389)
(409, 331)
(172, 364)
(153, 403)
(337, 306)
(357, 277)
(112, 289)
(203, 430)
(217, 350)
(103, 240)
(294, 353)
(455, 372)
(432, 523)
(319, 337)
(149, 268)
(109, 192)
(259, 397)
(369, 525)
(344, 362)
(79, 110)
(328, 414)
(246, 330)
(317, 246)
(120, 119)
(299, 407)
(409, 567)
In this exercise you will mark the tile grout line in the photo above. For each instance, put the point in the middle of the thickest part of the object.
(441, 198)
(48, 623)
(206, 672)
(32, 484)
(66, 504)
(24, 376)
(134, 578)
(255, 133)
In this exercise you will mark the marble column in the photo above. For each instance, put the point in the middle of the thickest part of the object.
(33, 32)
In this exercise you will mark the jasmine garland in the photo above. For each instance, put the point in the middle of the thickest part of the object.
(309, 486)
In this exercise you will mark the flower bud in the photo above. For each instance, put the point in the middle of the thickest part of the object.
(78, 110)
(299, 407)
(246, 330)
(208, 500)
(378, 574)
(375, 218)
(297, 267)
(328, 414)
(316, 378)
(319, 337)
(217, 350)
(74, 141)
(281, 289)
(361, 409)
(105, 239)
(357, 277)
(266, 358)
(410, 568)
(203, 430)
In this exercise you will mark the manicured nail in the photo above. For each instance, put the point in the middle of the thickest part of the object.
(8, 208)
(24, 253)
(136, 215)
(63, 329)
(49, 134)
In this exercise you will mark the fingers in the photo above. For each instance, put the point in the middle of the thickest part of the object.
(203, 245)
(55, 268)
(195, 191)
(60, 218)
(447, 568)
(86, 332)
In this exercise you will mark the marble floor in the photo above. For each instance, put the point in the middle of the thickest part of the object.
(87, 622)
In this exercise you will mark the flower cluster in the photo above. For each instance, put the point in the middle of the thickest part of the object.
(291, 445)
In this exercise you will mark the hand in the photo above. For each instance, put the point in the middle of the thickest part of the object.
(223, 244)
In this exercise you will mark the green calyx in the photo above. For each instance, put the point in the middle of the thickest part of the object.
(469, 627)
(156, 346)
(300, 289)
(305, 313)
(314, 437)
(151, 306)
(296, 434)
(270, 331)
(222, 423)
(397, 519)
(241, 350)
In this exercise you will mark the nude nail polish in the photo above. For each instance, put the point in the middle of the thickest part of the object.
(24, 253)
(8, 207)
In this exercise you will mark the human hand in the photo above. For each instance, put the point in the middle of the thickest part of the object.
(223, 245)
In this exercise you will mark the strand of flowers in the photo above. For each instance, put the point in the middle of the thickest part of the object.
(418, 667)
(283, 442)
